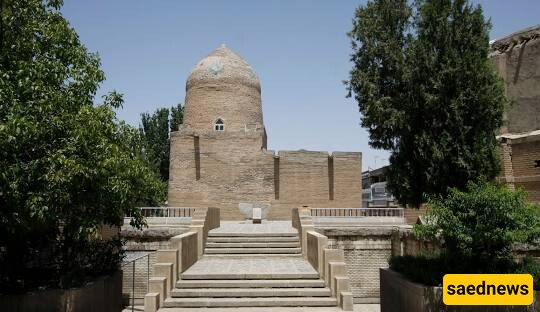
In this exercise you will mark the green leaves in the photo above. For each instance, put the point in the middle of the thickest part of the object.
(67, 166)
(155, 130)
(427, 93)
(482, 222)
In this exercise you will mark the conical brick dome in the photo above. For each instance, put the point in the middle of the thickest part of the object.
(223, 66)
(224, 87)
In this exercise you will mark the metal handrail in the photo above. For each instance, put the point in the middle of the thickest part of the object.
(357, 212)
(166, 212)
(132, 261)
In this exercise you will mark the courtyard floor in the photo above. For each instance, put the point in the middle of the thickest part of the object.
(251, 267)
(246, 227)
(357, 308)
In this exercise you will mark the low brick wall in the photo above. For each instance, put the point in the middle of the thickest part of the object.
(405, 243)
(211, 221)
(316, 243)
(143, 267)
(102, 294)
(401, 295)
(366, 250)
(186, 244)
(213, 218)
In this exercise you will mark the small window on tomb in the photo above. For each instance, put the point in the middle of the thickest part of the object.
(219, 125)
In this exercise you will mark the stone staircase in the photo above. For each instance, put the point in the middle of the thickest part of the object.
(250, 270)
(252, 243)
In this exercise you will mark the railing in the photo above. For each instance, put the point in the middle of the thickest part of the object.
(357, 212)
(167, 212)
(137, 283)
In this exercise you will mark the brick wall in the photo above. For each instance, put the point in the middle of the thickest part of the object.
(520, 155)
(231, 168)
(347, 179)
(366, 250)
(532, 189)
(225, 169)
(519, 66)
(411, 214)
(141, 268)
(524, 156)
(516, 57)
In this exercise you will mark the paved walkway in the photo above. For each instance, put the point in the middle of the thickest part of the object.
(246, 227)
(250, 267)
(357, 308)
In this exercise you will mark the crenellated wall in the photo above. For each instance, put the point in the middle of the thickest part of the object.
(223, 169)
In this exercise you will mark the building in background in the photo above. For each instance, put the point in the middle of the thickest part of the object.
(219, 158)
(517, 58)
(374, 191)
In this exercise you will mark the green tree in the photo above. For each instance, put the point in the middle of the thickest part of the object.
(67, 166)
(177, 117)
(480, 225)
(155, 129)
(427, 93)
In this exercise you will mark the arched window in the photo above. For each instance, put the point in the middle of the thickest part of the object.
(219, 125)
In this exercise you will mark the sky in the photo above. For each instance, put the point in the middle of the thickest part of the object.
(299, 50)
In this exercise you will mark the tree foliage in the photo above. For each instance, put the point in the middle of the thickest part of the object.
(155, 129)
(67, 166)
(427, 93)
(481, 224)
(177, 117)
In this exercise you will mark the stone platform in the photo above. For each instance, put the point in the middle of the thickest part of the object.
(357, 308)
(246, 228)
(246, 267)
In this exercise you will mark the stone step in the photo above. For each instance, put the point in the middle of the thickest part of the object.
(249, 292)
(364, 308)
(252, 234)
(218, 239)
(249, 276)
(253, 245)
(268, 255)
(264, 283)
(251, 302)
(252, 250)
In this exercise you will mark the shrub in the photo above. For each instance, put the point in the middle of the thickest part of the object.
(482, 224)
(430, 270)
(531, 266)
(478, 229)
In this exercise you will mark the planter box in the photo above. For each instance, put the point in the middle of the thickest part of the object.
(401, 295)
(102, 294)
